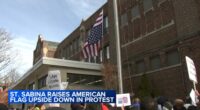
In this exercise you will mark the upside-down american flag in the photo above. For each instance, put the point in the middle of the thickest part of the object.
(92, 43)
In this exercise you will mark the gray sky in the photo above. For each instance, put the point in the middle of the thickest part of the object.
(54, 19)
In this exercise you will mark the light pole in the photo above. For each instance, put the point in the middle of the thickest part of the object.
(118, 47)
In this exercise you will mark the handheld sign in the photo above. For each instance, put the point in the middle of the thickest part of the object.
(193, 97)
(54, 83)
(123, 100)
(191, 69)
(64, 85)
(54, 80)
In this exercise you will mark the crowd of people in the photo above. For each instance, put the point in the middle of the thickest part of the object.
(159, 103)
(31, 107)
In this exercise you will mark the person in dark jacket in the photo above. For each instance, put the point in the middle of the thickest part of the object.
(78, 106)
(192, 107)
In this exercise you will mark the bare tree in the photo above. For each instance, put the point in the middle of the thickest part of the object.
(110, 76)
(4, 49)
(12, 76)
(8, 73)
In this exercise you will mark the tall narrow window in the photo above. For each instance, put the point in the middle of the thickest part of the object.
(71, 50)
(173, 58)
(77, 44)
(140, 66)
(107, 52)
(155, 62)
(63, 53)
(124, 19)
(105, 25)
(31, 86)
(74, 46)
(88, 33)
(135, 12)
(67, 51)
(42, 82)
(89, 59)
(80, 42)
(101, 55)
(147, 5)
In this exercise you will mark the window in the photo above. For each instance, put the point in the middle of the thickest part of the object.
(31, 86)
(71, 50)
(88, 33)
(173, 58)
(104, 54)
(74, 47)
(147, 5)
(89, 59)
(105, 25)
(155, 62)
(42, 82)
(107, 52)
(135, 12)
(140, 66)
(68, 52)
(101, 55)
(77, 44)
(63, 53)
(92, 59)
(81, 42)
(124, 20)
(84, 79)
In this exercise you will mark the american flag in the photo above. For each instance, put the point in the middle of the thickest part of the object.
(92, 43)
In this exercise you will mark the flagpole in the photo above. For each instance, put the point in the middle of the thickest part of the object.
(118, 49)
(102, 39)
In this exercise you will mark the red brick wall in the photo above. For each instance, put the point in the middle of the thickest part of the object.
(171, 22)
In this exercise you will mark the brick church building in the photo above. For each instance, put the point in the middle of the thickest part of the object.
(155, 37)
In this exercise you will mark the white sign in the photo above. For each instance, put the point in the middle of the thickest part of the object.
(193, 97)
(64, 85)
(54, 80)
(191, 69)
(54, 105)
(112, 104)
(123, 100)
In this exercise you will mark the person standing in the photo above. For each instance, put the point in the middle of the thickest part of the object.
(81, 106)
(179, 105)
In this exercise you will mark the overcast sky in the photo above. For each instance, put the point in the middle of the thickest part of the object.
(54, 19)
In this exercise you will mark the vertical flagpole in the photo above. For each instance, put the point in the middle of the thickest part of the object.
(102, 39)
(119, 65)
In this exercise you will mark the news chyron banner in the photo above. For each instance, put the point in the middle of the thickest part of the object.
(61, 96)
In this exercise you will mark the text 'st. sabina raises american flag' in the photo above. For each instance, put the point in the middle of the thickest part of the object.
(92, 43)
